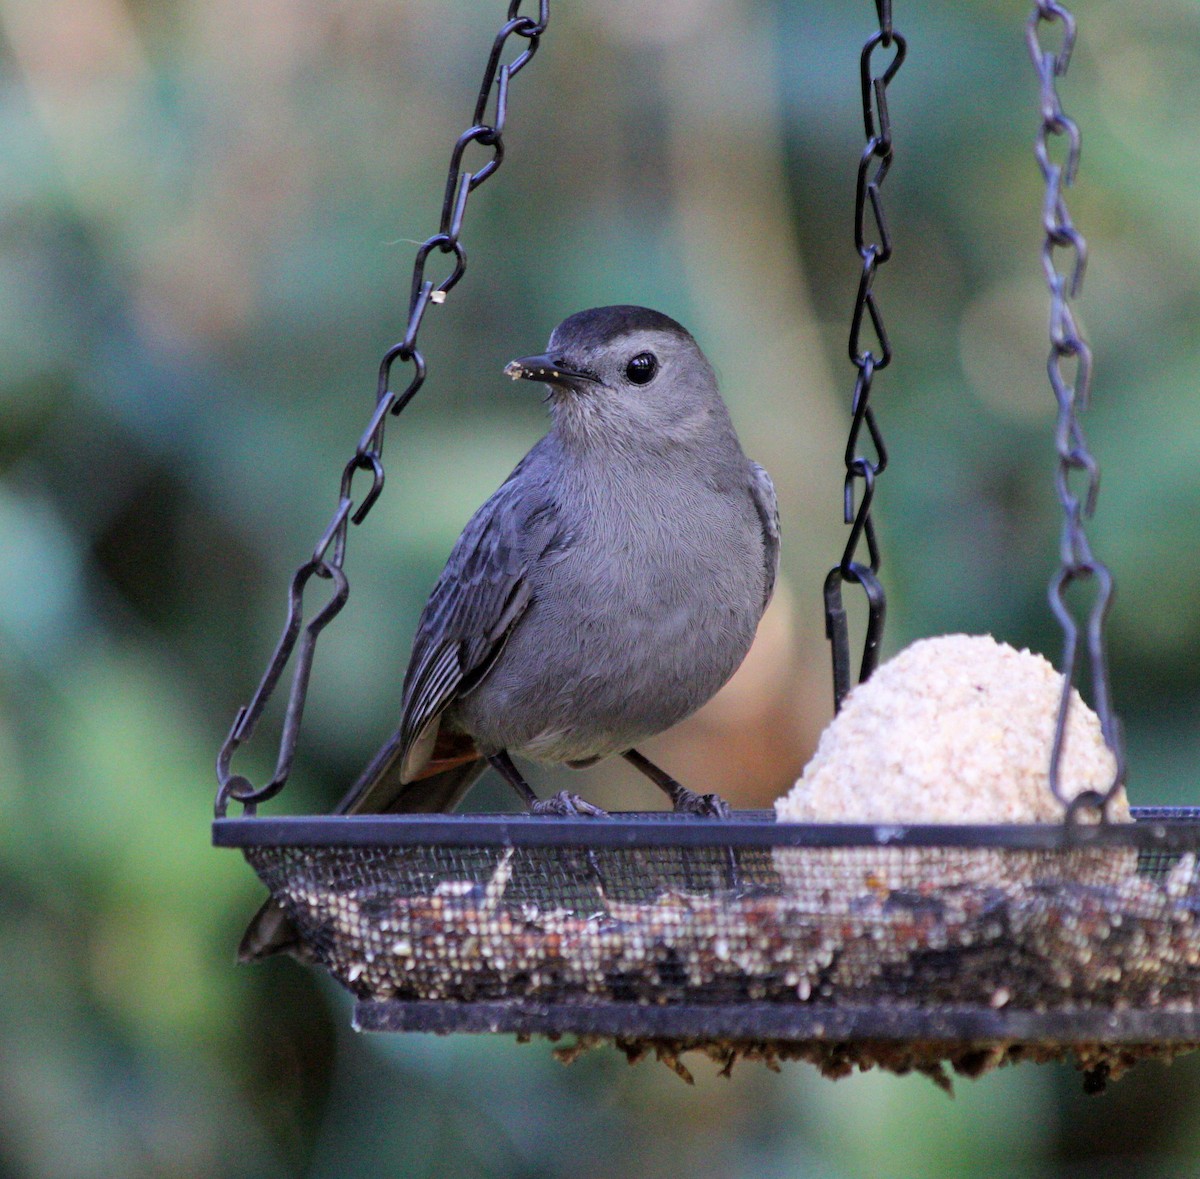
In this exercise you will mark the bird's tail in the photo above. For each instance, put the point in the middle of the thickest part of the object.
(449, 770)
(378, 791)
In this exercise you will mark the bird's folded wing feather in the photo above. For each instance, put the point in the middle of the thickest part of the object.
(479, 598)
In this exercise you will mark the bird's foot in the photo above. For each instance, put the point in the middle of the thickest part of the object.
(564, 803)
(709, 806)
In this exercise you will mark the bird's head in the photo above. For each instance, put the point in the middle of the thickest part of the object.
(625, 373)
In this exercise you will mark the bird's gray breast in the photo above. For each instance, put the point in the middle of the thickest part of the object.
(648, 611)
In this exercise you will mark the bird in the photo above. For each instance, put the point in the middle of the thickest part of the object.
(608, 588)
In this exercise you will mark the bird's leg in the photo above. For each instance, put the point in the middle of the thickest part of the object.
(502, 763)
(685, 801)
(563, 803)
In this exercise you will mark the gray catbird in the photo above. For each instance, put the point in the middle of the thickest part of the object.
(610, 586)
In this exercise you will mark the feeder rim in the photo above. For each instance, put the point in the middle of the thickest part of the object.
(783, 1021)
(1154, 828)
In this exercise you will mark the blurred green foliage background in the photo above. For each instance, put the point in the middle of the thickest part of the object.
(208, 212)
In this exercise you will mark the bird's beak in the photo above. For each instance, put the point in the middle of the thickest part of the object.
(544, 368)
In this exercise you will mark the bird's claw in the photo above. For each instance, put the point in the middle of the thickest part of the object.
(564, 803)
(710, 806)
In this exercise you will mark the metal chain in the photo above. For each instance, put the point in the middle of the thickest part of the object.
(875, 248)
(1070, 370)
(328, 556)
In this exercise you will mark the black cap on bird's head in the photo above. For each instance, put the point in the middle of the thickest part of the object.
(602, 325)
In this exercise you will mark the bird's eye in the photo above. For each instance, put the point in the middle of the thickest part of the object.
(641, 369)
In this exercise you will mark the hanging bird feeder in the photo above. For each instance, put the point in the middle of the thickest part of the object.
(876, 940)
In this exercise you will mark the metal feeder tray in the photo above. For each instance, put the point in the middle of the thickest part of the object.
(846, 945)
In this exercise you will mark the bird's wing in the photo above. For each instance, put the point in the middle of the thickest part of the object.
(762, 491)
(478, 599)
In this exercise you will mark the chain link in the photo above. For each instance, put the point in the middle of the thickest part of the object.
(874, 246)
(1064, 260)
(330, 551)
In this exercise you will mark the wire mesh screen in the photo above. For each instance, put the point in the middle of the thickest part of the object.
(1002, 927)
